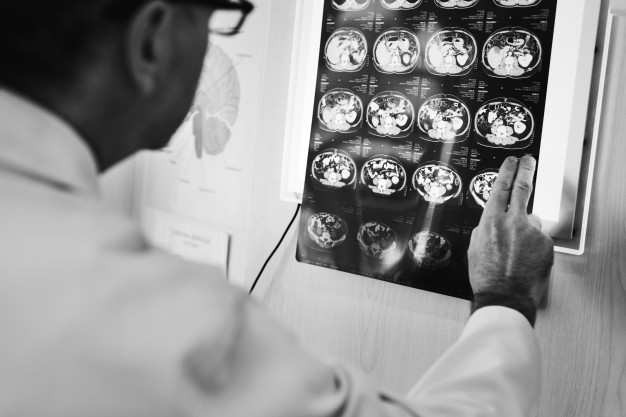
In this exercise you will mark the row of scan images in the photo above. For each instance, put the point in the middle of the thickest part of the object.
(384, 176)
(357, 5)
(429, 250)
(499, 123)
(508, 53)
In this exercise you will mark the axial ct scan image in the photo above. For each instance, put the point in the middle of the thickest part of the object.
(437, 182)
(334, 169)
(383, 175)
(400, 4)
(351, 5)
(396, 51)
(451, 51)
(512, 52)
(517, 3)
(340, 110)
(444, 118)
(327, 230)
(390, 114)
(481, 186)
(505, 123)
(430, 250)
(346, 50)
(377, 240)
(455, 4)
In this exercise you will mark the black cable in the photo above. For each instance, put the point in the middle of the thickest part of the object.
(280, 242)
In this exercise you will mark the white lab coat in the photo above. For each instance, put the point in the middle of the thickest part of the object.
(96, 323)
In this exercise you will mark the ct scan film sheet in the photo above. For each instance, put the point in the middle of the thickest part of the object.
(418, 103)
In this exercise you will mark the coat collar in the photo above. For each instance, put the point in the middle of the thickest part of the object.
(38, 144)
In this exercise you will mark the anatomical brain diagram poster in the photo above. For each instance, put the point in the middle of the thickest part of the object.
(216, 106)
(417, 104)
(211, 153)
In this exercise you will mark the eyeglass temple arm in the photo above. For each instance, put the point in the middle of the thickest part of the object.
(244, 5)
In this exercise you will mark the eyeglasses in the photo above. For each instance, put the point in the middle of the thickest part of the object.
(227, 18)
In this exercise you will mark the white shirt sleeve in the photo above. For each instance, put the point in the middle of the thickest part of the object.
(494, 369)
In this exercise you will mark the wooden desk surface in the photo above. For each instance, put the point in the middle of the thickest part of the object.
(395, 333)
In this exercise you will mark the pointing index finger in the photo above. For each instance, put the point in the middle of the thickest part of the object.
(523, 184)
(501, 194)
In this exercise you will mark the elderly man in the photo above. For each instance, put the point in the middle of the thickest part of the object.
(95, 322)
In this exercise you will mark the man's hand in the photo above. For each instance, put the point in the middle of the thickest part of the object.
(510, 258)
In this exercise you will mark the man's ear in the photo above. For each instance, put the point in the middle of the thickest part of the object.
(148, 44)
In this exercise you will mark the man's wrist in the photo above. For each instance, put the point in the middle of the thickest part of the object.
(523, 304)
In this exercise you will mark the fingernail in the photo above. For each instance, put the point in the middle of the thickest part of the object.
(529, 161)
(512, 160)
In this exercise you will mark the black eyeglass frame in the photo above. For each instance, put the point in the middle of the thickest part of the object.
(244, 6)
(123, 9)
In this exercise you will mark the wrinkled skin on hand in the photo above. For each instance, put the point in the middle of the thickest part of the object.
(510, 258)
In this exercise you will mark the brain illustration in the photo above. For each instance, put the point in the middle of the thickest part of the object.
(216, 106)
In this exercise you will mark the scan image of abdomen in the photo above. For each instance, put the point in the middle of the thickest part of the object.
(216, 106)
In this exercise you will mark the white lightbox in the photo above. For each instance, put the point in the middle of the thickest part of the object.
(567, 102)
